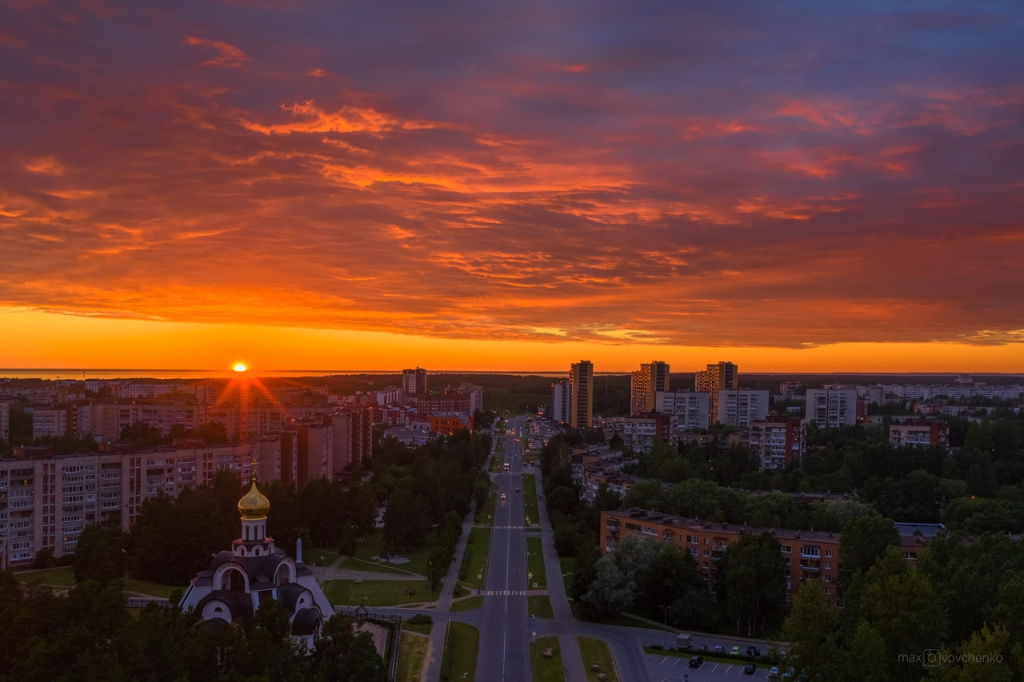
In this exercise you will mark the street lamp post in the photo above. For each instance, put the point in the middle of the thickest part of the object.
(430, 570)
(664, 608)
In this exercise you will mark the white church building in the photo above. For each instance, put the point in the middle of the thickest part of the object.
(255, 570)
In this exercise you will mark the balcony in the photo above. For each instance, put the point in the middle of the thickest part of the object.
(810, 566)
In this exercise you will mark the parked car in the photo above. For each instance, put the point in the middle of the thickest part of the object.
(773, 672)
(749, 669)
(719, 649)
(702, 647)
(753, 651)
(696, 661)
(735, 651)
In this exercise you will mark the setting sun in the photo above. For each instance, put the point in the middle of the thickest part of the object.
(240, 367)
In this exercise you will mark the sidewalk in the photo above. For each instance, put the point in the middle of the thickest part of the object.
(435, 648)
(572, 659)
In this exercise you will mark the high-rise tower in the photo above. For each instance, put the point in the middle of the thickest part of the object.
(581, 409)
(717, 377)
(644, 386)
(414, 382)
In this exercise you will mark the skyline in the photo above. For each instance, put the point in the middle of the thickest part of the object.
(800, 187)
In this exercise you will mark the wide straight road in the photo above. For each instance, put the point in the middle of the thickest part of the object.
(504, 624)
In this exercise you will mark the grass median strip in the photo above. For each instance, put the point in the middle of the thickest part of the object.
(474, 563)
(596, 652)
(535, 563)
(539, 606)
(546, 669)
(461, 647)
(530, 509)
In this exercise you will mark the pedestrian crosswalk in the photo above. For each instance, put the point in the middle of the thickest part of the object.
(505, 593)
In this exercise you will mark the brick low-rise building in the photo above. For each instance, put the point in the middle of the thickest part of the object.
(922, 433)
(811, 556)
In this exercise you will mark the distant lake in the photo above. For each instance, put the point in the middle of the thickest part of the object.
(83, 374)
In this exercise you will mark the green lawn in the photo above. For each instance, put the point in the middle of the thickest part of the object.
(460, 651)
(468, 604)
(535, 562)
(412, 656)
(485, 514)
(377, 592)
(530, 509)
(597, 651)
(371, 548)
(546, 669)
(154, 589)
(65, 577)
(317, 556)
(539, 606)
(58, 577)
(474, 562)
(422, 628)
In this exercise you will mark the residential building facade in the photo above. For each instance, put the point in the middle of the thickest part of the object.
(581, 409)
(717, 377)
(645, 385)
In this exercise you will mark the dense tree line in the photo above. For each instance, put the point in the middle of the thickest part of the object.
(89, 634)
(961, 605)
(424, 484)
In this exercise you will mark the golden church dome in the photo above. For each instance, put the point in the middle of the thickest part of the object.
(254, 504)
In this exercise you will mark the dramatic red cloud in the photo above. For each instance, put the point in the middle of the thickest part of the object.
(675, 177)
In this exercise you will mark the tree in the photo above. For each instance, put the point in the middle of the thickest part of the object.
(610, 592)
(812, 630)
(865, 540)
(100, 554)
(752, 580)
(341, 655)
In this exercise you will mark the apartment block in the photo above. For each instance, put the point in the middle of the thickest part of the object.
(49, 422)
(353, 436)
(810, 556)
(717, 377)
(692, 409)
(47, 501)
(832, 406)
(581, 409)
(777, 441)
(414, 382)
(561, 399)
(644, 386)
(921, 433)
(741, 407)
(643, 432)
(5, 422)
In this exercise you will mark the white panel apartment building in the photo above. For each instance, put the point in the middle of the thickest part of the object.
(47, 502)
(692, 408)
(832, 407)
(741, 406)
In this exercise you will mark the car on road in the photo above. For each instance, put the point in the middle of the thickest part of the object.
(504, 496)
(696, 661)
(749, 669)
(517, 489)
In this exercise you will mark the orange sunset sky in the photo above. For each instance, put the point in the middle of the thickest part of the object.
(793, 186)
